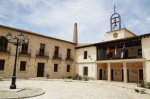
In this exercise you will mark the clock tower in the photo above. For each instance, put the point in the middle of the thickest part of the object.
(117, 32)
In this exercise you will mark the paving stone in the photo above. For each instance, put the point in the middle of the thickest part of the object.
(95, 89)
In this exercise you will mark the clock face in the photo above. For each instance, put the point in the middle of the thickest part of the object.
(115, 35)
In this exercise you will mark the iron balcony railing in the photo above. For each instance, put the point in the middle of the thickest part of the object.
(42, 54)
(57, 56)
(4, 49)
(119, 56)
(25, 52)
(69, 58)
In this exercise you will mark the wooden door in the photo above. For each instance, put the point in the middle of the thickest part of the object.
(40, 70)
(140, 74)
(100, 74)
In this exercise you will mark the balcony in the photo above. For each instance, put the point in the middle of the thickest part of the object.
(4, 50)
(57, 57)
(42, 55)
(118, 56)
(26, 53)
(69, 58)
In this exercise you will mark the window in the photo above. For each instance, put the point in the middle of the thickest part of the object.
(55, 67)
(3, 44)
(111, 54)
(85, 54)
(42, 47)
(22, 65)
(2, 63)
(68, 53)
(56, 51)
(68, 68)
(24, 48)
(139, 51)
(85, 71)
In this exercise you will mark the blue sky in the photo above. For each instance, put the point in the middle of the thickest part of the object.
(56, 18)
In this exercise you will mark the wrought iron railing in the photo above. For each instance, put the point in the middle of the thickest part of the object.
(25, 52)
(4, 49)
(118, 56)
(69, 58)
(57, 56)
(42, 54)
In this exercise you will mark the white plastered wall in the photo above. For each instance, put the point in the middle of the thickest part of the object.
(91, 70)
(89, 62)
(146, 55)
(122, 33)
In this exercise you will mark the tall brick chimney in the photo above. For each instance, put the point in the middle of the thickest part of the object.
(75, 34)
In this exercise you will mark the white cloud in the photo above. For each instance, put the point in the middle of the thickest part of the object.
(59, 16)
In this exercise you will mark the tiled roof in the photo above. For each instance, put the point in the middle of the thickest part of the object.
(34, 33)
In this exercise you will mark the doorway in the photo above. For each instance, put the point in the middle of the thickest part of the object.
(40, 70)
(140, 74)
(128, 74)
(112, 74)
(122, 75)
(100, 74)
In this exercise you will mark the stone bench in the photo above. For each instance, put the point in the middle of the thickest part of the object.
(140, 90)
(1, 78)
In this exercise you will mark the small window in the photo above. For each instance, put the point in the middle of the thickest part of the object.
(139, 51)
(22, 65)
(3, 44)
(55, 67)
(111, 54)
(42, 48)
(68, 53)
(68, 68)
(56, 51)
(85, 54)
(85, 71)
(2, 63)
(24, 48)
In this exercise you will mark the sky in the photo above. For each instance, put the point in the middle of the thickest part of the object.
(56, 18)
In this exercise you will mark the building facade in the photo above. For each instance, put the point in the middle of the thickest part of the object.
(123, 57)
(43, 56)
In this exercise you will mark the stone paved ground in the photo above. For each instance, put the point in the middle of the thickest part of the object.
(59, 89)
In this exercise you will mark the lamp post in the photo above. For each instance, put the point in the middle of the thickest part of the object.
(17, 41)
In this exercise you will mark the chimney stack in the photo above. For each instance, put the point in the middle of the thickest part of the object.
(75, 34)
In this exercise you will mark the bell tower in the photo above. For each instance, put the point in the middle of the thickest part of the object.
(115, 20)
(116, 31)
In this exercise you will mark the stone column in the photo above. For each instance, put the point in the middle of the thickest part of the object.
(125, 71)
(144, 71)
(109, 72)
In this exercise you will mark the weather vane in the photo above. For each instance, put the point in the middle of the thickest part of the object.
(114, 8)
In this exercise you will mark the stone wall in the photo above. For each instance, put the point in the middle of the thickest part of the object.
(32, 60)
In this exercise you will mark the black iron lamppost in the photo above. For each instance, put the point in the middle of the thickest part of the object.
(17, 41)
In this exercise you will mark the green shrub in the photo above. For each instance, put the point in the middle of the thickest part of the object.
(80, 78)
(69, 77)
(75, 77)
(148, 84)
(142, 83)
(86, 78)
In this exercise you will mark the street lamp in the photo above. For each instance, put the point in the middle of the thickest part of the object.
(17, 41)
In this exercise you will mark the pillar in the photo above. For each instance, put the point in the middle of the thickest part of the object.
(109, 72)
(125, 71)
(95, 71)
(144, 72)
